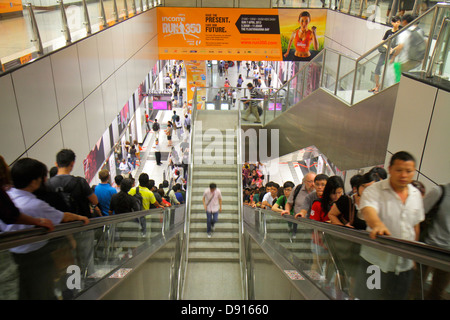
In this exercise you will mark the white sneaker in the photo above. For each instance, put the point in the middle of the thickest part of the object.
(209, 235)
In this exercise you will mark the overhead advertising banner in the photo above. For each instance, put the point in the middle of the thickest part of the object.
(10, 6)
(302, 33)
(212, 33)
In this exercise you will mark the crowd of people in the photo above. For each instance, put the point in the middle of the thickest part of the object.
(393, 205)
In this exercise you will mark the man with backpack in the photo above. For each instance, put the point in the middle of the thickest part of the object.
(79, 198)
(156, 127)
(297, 197)
(145, 198)
(75, 190)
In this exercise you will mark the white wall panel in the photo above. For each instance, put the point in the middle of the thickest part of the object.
(67, 78)
(122, 95)
(364, 36)
(105, 53)
(47, 147)
(426, 182)
(89, 65)
(110, 100)
(11, 138)
(129, 38)
(151, 25)
(95, 117)
(411, 117)
(75, 131)
(436, 158)
(35, 94)
(132, 81)
(329, 26)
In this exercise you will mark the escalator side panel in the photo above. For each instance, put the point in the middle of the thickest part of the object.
(351, 137)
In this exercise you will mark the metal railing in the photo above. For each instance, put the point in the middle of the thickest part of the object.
(189, 196)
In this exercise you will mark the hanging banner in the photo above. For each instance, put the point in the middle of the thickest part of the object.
(212, 33)
(196, 77)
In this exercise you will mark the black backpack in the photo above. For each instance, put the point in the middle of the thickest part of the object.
(296, 191)
(138, 197)
(417, 45)
(74, 198)
(155, 126)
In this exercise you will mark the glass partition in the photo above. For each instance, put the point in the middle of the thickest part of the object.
(440, 66)
(345, 78)
(50, 25)
(75, 20)
(355, 7)
(63, 267)
(330, 70)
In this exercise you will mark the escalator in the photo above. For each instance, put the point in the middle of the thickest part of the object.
(120, 264)
(272, 264)
(282, 268)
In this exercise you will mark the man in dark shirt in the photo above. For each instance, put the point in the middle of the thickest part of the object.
(83, 196)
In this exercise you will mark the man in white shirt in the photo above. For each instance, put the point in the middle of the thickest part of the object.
(34, 260)
(391, 207)
(212, 202)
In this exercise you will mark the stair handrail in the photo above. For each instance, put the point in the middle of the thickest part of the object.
(420, 252)
(185, 248)
(239, 160)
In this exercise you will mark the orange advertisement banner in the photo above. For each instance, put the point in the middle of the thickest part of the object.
(212, 33)
(10, 6)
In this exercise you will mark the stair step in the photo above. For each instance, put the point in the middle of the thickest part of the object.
(217, 246)
(217, 236)
(215, 167)
(219, 174)
(218, 180)
(199, 207)
(225, 188)
(202, 211)
(220, 227)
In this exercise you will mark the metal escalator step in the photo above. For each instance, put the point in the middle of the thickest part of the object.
(213, 257)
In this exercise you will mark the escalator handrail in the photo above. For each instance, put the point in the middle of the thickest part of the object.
(35, 234)
(418, 251)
